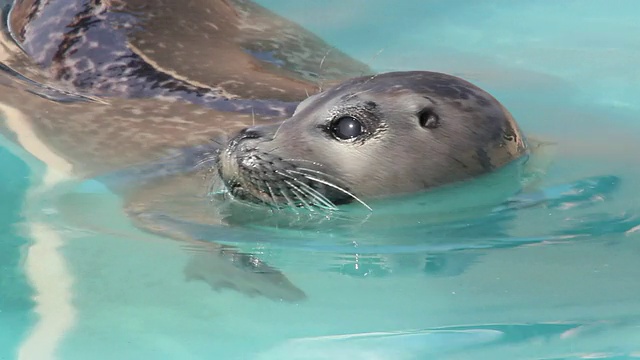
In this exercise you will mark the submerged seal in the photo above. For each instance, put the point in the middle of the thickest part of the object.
(105, 89)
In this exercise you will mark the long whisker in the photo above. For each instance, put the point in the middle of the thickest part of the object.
(253, 116)
(291, 203)
(312, 178)
(218, 142)
(373, 58)
(309, 191)
(358, 93)
(279, 127)
(314, 194)
(319, 173)
(301, 197)
(320, 70)
(323, 59)
(313, 171)
(303, 160)
(273, 197)
(215, 184)
(371, 78)
(376, 56)
(204, 161)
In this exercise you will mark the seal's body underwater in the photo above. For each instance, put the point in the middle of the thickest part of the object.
(123, 95)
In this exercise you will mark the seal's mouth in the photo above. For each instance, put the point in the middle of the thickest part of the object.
(252, 175)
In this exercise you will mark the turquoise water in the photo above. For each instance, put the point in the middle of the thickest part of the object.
(15, 294)
(553, 276)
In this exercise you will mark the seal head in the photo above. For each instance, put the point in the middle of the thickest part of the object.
(372, 136)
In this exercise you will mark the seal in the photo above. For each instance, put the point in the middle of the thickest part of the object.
(108, 91)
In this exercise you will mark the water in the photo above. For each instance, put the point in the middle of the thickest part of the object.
(15, 302)
(553, 275)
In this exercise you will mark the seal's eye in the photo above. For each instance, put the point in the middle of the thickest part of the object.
(429, 119)
(346, 128)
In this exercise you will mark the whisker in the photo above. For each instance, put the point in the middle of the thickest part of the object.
(279, 127)
(219, 190)
(371, 78)
(291, 203)
(204, 161)
(323, 59)
(314, 194)
(301, 197)
(323, 174)
(253, 117)
(313, 171)
(312, 178)
(303, 160)
(215, 141)
(358, 93)
(373, 58)
(325, 203)
(376, 56)
(320, 70)
(271, 194)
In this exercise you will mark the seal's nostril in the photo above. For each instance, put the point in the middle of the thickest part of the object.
(251, 133)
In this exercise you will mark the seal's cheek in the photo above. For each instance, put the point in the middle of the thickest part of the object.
(364, 170)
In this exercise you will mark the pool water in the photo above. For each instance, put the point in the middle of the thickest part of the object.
(15, 294)
(454, 274)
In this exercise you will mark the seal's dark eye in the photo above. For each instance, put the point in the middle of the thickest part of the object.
(429, 119)
(346, 128)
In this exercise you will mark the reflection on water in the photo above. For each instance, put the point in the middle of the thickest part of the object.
(15, 294)
(481, 270)
(521, 340)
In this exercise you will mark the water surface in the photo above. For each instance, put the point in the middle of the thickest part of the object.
(552, 275)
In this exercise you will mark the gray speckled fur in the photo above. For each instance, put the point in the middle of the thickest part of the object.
(84, 44)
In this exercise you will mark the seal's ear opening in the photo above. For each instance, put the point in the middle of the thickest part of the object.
(428, 119)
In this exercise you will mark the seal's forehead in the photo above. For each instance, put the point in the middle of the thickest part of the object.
(443, 86)
(410, 85)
